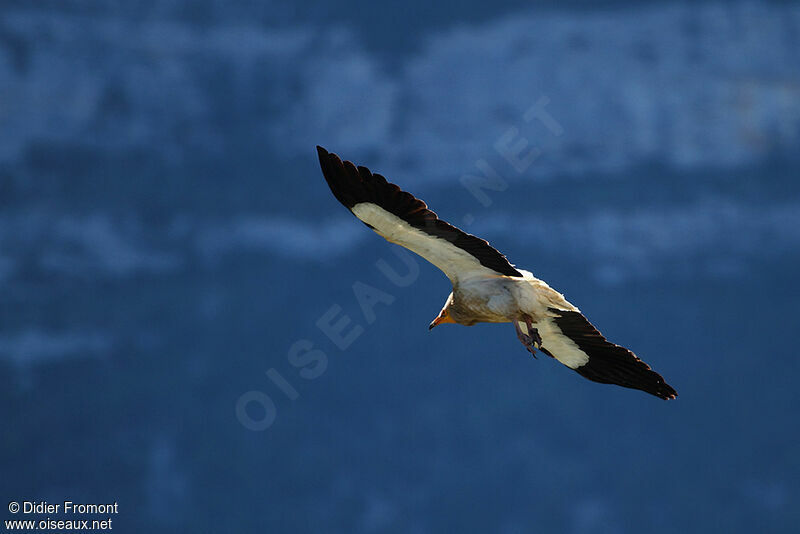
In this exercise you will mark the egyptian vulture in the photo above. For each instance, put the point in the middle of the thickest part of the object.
(486, 286)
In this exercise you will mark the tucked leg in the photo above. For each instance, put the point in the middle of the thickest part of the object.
(534, 333)
(528, 335)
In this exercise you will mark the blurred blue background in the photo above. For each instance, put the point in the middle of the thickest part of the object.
(166, 237)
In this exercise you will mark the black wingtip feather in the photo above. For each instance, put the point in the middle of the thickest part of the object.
(352, 185)
(609, 363)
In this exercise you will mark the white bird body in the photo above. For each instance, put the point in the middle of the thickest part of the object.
(500, 299)
(487, 288)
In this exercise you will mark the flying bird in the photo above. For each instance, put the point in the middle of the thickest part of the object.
(487, 288)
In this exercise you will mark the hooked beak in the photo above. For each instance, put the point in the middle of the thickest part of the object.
(444, 317)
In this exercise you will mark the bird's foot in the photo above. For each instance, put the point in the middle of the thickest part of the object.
(529, 336)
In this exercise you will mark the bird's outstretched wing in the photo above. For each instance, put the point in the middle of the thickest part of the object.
(571, 339)
(403, 219)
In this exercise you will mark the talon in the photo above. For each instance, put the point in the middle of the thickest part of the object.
(537, 339)
(535, 336)
(531, 339)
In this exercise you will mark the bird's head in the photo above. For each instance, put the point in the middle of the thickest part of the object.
(444, 315)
